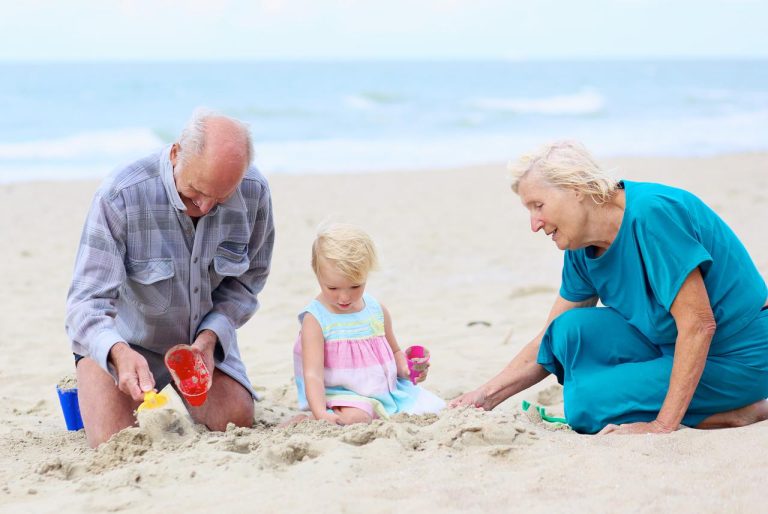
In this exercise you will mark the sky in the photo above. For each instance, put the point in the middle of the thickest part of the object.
(60, 30)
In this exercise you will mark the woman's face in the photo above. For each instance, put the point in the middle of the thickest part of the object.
(560, 213)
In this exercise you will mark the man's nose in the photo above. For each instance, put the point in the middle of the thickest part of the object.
(206, 204)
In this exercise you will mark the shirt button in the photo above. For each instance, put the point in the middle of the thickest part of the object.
(194, 260)
(195, 316)
(196, 290)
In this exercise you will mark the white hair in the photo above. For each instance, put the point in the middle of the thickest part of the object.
(567, 165)
(192, 139)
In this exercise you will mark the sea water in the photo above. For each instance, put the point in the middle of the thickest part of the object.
(67, 121)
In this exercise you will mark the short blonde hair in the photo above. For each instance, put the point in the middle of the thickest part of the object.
(348, 248)
(567, 165)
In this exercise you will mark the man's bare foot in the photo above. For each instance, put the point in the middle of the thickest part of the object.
(742, 417)
(294, 420)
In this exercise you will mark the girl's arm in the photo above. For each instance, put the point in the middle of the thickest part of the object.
(313, 361)
(400, 361)
(523, 371)
(695, 329)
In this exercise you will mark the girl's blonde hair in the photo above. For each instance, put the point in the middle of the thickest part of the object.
(567, 165)
(348, 248)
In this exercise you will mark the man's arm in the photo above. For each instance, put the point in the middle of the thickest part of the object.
(98, 273)
(235, 300)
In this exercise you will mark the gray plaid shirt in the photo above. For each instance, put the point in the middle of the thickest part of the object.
(144, 274)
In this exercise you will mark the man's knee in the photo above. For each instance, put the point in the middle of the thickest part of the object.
(104, 409)
(228, 402)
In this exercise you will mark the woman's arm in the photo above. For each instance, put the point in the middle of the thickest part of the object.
(313, 362)
(695, 329)
(400, 360)
(523, 371)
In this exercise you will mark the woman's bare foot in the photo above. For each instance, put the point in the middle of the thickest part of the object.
(742, 417)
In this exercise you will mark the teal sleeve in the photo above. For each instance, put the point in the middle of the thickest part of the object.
(315, 309)
(671, 248)
(576, 285)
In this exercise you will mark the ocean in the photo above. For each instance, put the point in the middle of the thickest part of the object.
(66, 121)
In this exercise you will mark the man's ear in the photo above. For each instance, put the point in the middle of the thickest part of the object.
(175, 153)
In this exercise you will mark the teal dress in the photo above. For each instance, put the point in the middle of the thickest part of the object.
(615, 361)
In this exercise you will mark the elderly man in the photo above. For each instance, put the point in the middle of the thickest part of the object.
(175, 249)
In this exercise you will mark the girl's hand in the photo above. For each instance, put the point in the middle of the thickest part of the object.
(330, 417)
(404, 372)
(474, 398)
(402, 365)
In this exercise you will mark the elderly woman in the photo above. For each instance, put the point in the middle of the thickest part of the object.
(683, 334)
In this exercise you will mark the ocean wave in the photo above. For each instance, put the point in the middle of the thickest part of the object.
(372, 99)
(85, 145)
(586, 101)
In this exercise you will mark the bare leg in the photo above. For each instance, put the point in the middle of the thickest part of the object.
(104, 408)
(348, 415)
(228, 402)
(744, 416)
(351, 415)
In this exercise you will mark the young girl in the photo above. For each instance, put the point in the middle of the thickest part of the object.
(348, 365)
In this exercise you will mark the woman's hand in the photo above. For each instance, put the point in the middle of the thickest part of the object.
(476, 398)
(654, 427)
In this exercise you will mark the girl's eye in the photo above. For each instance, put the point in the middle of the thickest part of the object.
(331, 288)
(355, 287)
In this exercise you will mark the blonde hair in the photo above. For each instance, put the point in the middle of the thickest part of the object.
(348, 248)
(567, 165)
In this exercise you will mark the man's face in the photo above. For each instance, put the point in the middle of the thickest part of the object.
(203, 183)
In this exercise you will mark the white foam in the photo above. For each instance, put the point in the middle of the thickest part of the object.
(85, 145)
(586, 101)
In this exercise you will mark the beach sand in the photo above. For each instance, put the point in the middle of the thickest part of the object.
(461, 273)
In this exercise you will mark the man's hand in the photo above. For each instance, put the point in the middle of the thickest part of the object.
(205, 343)
(133, 375)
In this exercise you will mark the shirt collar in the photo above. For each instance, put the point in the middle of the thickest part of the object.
(236, 202)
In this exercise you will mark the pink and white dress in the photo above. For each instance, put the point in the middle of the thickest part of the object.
(360, 369)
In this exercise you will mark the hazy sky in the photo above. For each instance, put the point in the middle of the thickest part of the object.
(392, 29)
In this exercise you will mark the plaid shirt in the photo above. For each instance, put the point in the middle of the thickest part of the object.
(144, 274)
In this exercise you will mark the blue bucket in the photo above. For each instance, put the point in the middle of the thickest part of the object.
(70, 407)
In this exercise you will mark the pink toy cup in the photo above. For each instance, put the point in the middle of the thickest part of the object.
(189, 372)
(418, 360)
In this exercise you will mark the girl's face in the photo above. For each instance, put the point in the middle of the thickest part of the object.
(337, 291)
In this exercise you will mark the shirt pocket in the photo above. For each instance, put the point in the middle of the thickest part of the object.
(149, 285)
(231, 259)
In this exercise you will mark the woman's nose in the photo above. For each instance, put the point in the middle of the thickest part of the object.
(536, 224)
